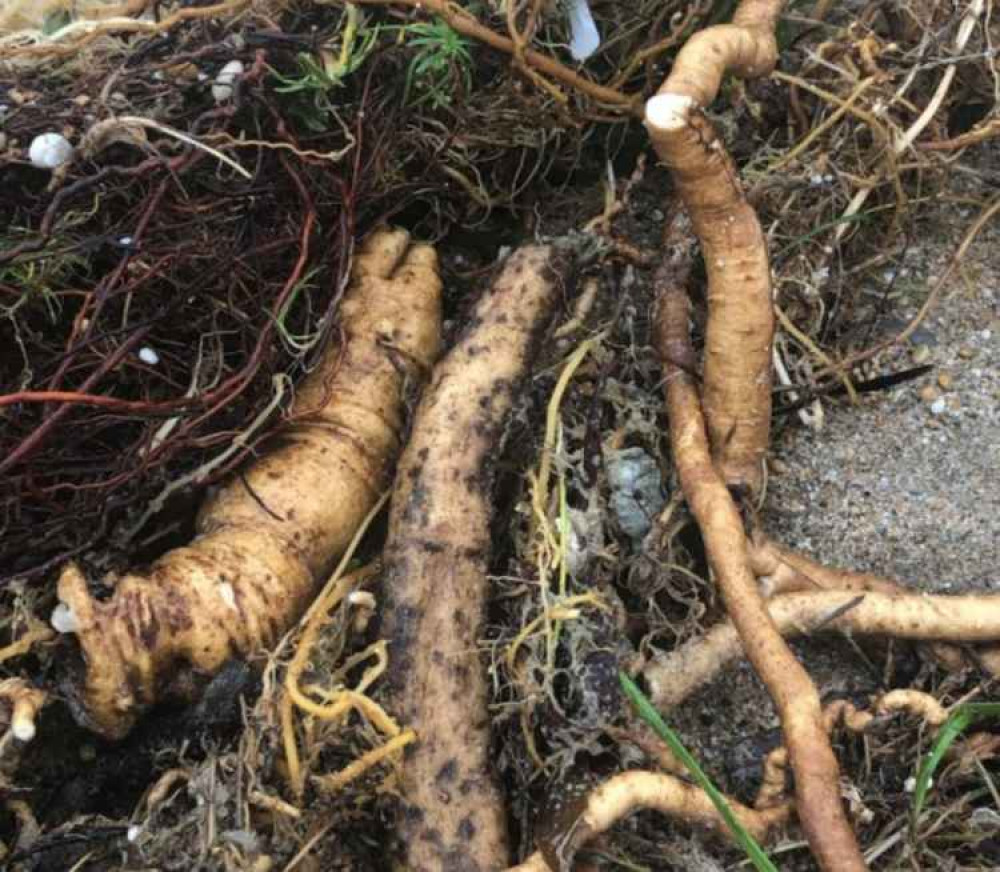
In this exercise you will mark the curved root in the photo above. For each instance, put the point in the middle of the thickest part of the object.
(268, 535)
(794, 694)
(740, 329)
(629, 792)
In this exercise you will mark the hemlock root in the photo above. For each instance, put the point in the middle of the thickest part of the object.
(629, 792)
(23, 702)
(674, 676)
(737, 387)
(435, 579)
(843, 712)
(266, 536)
(795, 696)
(783, 571)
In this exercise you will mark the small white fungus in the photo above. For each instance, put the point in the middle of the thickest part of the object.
(148, 355)
(63, 620)
(49, 151)
(222, 89)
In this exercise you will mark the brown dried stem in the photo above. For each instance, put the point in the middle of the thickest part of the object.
(466, 24)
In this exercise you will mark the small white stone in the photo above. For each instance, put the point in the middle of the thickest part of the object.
(63, 620)
(133, 832)
(938, 406)
(585, 38)
(50, 150)
(125, 240)
(148, 355)
(222, 89)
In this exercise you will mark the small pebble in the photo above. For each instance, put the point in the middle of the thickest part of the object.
(945, 381)
(966, 353)
(921, 354)
(938, 406)
(222, 89)
(148, 355)
(49, 151)
(928, 393)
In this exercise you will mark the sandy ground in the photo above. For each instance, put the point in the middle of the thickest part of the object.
(907, 484)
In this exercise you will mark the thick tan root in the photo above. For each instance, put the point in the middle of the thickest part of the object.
(675, 676)
(435, 578)
(634, 791)
(737, 368)
(784, 571)
(794, 694)
(268, 535)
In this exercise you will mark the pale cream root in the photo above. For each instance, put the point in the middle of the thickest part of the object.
(672, 677)
(267, 536)
(629, 792)
(782, 570)
(436, 560)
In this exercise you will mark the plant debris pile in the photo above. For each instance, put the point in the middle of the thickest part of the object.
(163, 289)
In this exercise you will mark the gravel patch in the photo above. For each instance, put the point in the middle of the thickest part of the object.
(907, 483)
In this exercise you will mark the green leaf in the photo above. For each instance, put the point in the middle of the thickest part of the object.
(651, 716)
(959, 720)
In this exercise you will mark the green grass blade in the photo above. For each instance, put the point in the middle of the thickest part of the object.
(958, 721)
(651, 716)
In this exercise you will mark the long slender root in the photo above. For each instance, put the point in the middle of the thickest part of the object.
(634, 791)
(674, 676)
(795, 696)
(435, 578)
